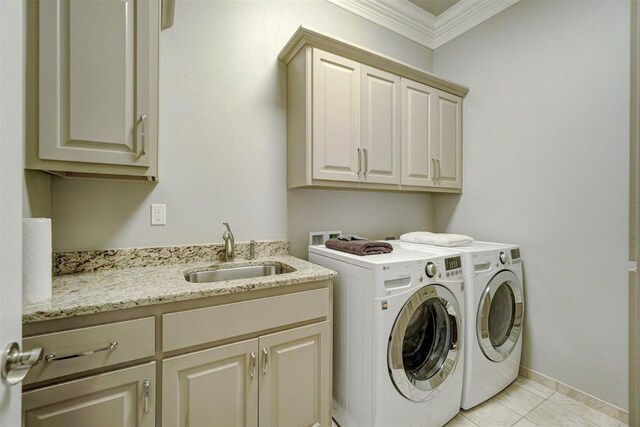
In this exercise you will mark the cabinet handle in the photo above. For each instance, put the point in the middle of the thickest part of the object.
(51, 357)
(146, 383)
(366, 161)
(143, 134)
(252, 369)
(439, 170)
(265, 361)
(359, 161)
(435, 169)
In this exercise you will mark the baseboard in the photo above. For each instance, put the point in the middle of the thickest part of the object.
(582, 397)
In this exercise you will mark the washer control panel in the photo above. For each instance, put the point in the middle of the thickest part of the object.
(453, 267)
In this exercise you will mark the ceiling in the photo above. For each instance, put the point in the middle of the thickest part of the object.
(434, 7)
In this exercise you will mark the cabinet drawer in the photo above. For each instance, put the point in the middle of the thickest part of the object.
(193, 327)
(135, 338)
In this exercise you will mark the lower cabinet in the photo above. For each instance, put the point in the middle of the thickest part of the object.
(215, 387)
(273, 380)
(121, 398)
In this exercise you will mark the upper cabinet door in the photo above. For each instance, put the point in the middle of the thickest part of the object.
(419, 153)
(449, 129)
(336, 117)
(98, 81)
(380, 126)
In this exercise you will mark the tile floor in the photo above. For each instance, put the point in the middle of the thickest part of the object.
(526, 403)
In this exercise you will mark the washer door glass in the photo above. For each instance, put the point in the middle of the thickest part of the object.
(423, 346)
(500, 314)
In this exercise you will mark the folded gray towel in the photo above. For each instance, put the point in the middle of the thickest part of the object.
(359, 247)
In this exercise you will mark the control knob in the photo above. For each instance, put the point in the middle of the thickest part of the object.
(503, 257)
(431, 269)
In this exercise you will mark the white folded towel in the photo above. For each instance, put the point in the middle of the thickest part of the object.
(436, 239)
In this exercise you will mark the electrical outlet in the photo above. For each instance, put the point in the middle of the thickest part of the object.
(158, 214)
(316, 238)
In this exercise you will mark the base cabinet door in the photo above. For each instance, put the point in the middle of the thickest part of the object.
(215, 387)
(120, 398)
(294, 377)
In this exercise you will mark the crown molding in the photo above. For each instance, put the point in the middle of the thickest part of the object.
(401, 17)
(416, 24)
(465, 15)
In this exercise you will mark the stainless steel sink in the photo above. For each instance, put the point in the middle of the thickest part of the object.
(232, 273)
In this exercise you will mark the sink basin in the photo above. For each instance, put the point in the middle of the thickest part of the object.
(232, 273)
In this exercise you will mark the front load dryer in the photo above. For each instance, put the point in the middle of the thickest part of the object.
(494, 300)
(398, 334)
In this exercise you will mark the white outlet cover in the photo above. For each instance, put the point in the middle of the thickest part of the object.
(158, 214)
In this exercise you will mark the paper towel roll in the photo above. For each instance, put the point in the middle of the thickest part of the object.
(36, 259)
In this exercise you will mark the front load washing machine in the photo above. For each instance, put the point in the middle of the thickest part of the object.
(398, 334)
(494, 298)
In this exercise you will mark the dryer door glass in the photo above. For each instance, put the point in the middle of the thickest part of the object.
(500, 314)
(423, 346)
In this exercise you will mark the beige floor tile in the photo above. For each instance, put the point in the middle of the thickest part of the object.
(550, 414)
(583, 410)
(492, 414)
(534, 387)
(518, 399)
(460, 421)
(525, 423)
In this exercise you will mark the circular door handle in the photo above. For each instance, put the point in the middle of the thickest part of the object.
(16, 364)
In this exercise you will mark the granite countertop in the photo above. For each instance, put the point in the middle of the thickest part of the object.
(121, 288)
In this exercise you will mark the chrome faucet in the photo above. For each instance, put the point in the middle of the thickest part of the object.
(229, 243)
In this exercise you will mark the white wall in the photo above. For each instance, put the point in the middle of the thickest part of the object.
(546, 140)
(222, 136)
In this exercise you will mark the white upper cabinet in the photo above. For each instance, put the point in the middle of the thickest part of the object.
(431, 137)
(449, 140)
(336, 117)
(358, 119)
(380, 126)
(418, 133)
(356, 130)
(98, 87)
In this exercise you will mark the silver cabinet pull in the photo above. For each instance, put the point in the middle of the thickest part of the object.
(143, 135)
(265, 361)
(435, 169)
(16, 364)
(252, 369)
(359, 161)
(145, 404)
(366, 161)
(439, 170)
(51, 357)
